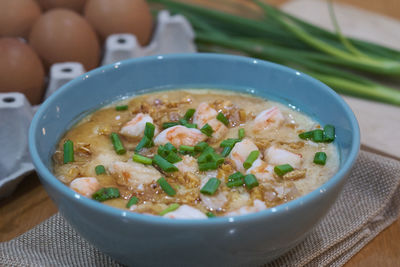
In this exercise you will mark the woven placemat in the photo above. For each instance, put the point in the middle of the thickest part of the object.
(368, 204)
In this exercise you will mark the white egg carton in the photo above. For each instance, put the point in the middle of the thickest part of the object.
(173, 34)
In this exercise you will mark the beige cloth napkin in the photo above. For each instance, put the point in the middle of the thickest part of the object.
(369, 203)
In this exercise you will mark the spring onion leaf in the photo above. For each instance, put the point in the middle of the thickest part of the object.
(133, 201)
(121, 108)
(186, 148)
(329, 133)
(166, 187)
(221, 117)
(210, 187)
(320, 158)
(251, 158)
(199, 147)
(149, 130)
(281, 170)
(166, 125)
(236, 179)
(210, 215)
(250, 181)
(241, 133)
(118, 146)
(68, 151)
(189, 113)
(172, 157)
(99, 169)
(318, 136)
(106, 194)
(142, 159)
(207, 130)
(164, 164)
(144, 142)
(171, 207)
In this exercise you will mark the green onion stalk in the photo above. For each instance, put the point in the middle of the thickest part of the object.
(342, 63)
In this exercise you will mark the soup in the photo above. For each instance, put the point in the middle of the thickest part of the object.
(192, 154)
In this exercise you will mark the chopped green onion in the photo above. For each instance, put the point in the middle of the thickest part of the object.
(99, 169)
(190, 125)
(241, 133)
(118, 146)
(207, 130)
(251, 158)
(199, 147)
(251, 181)
(145, 142)
(68, 151)
(162, 151)
(306, 135)
(221, 117)
(183, 122)
(320, 158)
(217, 158)
(283, 169)
(142, 159)
(164, 164)
(225, 152)
(166, 187)
(133, 201)
(208, 166)
(189, 113)
(186, 148)
(318, 136)
(149, 130)
(236, 179)
(106, 194)
(210, 215)
(121, 108)
(205, 157)
(230, 142)
(235, 176)
(172, 207)
(166, 125)
(170, 147)
(329, 133)
(210, 187)
(172, 157)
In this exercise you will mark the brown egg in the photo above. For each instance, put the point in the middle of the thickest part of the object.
(120, 16)
(62, 35)
(76, 5)
(17, 17)
(20, 69)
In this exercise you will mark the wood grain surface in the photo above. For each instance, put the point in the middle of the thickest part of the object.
(29, 204)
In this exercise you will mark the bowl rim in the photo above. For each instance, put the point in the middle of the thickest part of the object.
(44, 173)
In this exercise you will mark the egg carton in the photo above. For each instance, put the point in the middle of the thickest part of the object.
(173, 34)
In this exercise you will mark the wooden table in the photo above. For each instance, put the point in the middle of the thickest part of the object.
(30, 204)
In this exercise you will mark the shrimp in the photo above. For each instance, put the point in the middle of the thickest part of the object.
(135, 127)
(85, 186)
(180, 135)
(258, 205)
(261, 170)
(241, 151)
(278, 156)
(186, 212)
(206, 114)
(267, 119)
(187, 164)
(133, 174)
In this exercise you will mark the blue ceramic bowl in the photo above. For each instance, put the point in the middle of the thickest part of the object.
(141, 240)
